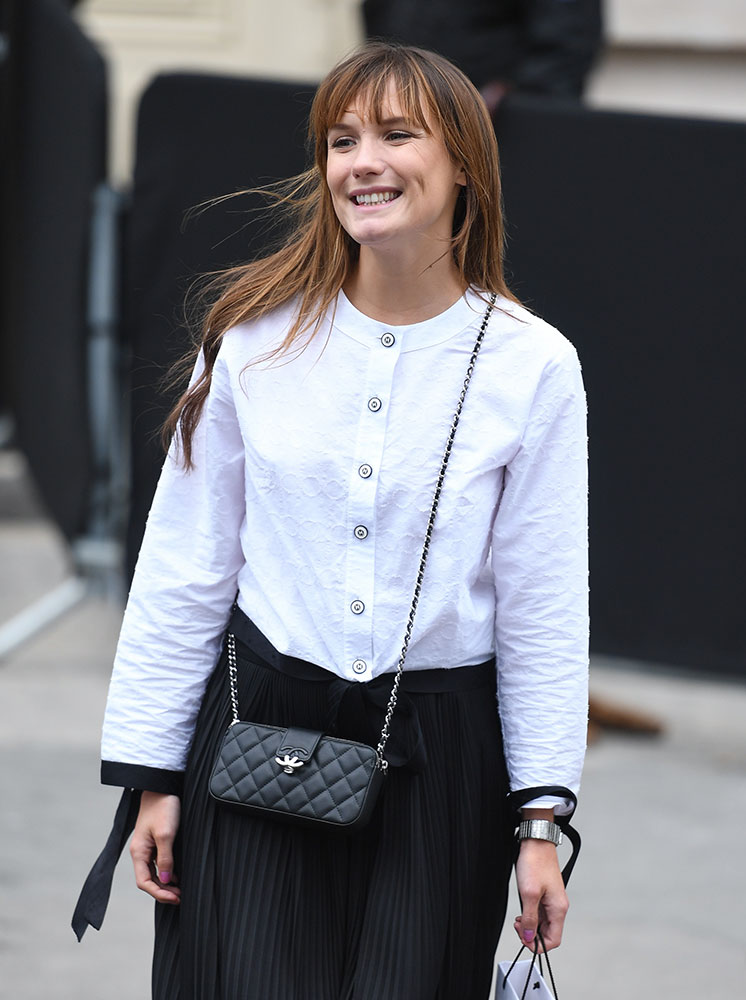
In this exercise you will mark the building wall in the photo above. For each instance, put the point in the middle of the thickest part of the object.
(714, 24)
(289, 39)
(671, 56)
(684, 57)
(704, 83)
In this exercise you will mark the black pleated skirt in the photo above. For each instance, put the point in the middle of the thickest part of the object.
(410, 908)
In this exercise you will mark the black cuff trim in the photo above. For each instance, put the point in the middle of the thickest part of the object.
(142, 778)
(519, 798)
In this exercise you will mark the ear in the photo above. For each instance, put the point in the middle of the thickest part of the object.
(461, 177)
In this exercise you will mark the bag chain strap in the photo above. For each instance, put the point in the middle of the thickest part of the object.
(233, 673)
(382, 762)
(232, 665)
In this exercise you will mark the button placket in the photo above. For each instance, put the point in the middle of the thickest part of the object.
(360, 556)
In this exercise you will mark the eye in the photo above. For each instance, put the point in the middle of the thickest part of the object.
(342, 142)
(398, 135)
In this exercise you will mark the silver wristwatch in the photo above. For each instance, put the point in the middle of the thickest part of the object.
(540, 829)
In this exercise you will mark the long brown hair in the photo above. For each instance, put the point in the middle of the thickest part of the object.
(314, 263)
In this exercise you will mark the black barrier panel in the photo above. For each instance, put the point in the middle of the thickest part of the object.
(59, 146)
(627, 232)
(198, 137)
(8, 170)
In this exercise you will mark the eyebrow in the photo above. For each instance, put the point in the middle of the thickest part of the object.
(384, 121)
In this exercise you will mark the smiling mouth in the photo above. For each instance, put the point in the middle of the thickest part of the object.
(376, 198)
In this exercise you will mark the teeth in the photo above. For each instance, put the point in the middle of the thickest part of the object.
(375, 198)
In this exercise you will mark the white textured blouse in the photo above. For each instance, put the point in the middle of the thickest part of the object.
(313, 480)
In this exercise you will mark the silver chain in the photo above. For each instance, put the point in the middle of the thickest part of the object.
(382, 762)
(233, 673)
(232, 666)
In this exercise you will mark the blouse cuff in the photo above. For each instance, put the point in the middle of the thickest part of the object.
(562, 799)
(561, 806)
(141, 777)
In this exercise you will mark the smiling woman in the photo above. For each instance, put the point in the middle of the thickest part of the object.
(305, 454)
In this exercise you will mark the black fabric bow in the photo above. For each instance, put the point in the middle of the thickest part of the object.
(357, 711)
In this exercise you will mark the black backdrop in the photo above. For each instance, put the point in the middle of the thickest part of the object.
(623, 231)
(198, 137)
(55, 131)
(627, 232)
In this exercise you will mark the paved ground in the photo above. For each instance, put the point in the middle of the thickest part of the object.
(657, 900)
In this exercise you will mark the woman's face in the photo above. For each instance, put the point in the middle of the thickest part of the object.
(392, 183)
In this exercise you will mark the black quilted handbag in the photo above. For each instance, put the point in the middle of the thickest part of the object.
(258, 769)
(303, 776)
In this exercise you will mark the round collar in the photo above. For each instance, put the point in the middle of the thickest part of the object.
(412, 336)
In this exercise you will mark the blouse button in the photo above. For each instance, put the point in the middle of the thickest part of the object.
(357, 607)
(359, 666)
(361, 531)
(365, 471)
(388, 340)
(374, 404)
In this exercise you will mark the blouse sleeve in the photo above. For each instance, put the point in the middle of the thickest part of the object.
(182, 593)
(540, 565)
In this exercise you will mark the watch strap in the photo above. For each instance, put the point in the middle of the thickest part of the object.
(540, 829)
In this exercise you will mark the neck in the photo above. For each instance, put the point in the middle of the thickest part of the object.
(402, 292)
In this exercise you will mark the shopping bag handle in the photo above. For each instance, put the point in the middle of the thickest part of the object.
(535, 954)
(519, 799)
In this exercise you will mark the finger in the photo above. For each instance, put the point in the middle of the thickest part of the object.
(553, 923)
(529, 918)
(534, 944)
(141, 853)
(551, 940)
(164, 832)
(164, 862)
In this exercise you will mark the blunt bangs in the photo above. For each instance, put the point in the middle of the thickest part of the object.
(365, 78)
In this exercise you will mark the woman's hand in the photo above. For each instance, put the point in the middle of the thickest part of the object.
(542, 893)
(152, 846)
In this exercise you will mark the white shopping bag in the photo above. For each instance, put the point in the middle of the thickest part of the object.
(513, 986)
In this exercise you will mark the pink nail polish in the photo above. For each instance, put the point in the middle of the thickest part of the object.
(528, 936)
(164, 877)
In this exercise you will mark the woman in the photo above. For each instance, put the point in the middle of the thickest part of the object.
(300, 478)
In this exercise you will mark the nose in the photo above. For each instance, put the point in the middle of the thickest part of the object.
(367, 158)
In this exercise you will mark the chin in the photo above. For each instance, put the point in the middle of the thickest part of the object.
(368, 237)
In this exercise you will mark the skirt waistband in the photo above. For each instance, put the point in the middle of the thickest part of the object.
(430, 680)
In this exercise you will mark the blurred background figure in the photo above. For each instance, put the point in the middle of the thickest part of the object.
(534, 46)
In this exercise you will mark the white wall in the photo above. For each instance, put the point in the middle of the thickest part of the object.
(694, 83)
(290, 39)
(682, 23)
(684, 57)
